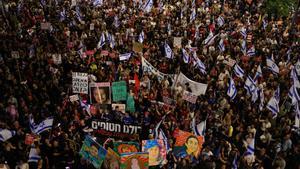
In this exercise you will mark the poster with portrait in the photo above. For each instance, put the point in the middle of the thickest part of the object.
(118, 108)
(92, 152)
(126, 147)
(187, 144)
(157, 151)
(100, 93)
(112, 160)
(137, 160)
(100, 109)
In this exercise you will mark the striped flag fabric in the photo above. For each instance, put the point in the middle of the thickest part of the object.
(101, 43)
(141, 37)
(258, 74)
(294, 95)
(273, 104)
(185, 56)
(125, 56)
(220, 21)
(156, 131)
(210, 39)
(251, 51)
(199, 129)
(250, 86)
(239, 72)
(232, 91)
(243, 32)
(193, 15)
(148, 6)
(33, 155)
(250, 148)
(297, 116)
(6, 134)
(98, 3)
(262, 99)
(272, 66)
(221, 45)
(168, 51)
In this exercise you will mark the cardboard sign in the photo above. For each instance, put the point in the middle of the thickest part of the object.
(80, 82)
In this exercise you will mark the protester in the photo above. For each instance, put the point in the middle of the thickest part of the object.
(245, 61)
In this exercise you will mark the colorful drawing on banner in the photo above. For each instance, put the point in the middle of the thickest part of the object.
(135, 161)
(118, 108)
(93, 152)
(130, 104)
(157, 151)
(126, 147)
(112, 160)
(74, 98)
(119, 91)
(100, 93)
(137, 47)
(187, 144)
(80, 83)
(190, 97)
(177, 42)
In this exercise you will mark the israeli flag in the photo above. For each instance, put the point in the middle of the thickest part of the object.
(297, 116)
(210, 39)
(97, 3)
(199, 129)
(221, 45)
(297, 67)
(250, 148)
(262, 99)
(165, 139)
(62, 15)
(32, 124)
(155, 131)
(251, 52)
(272, 66)
(220, 21)
(193, 4)
(199, 64)
(6, 134)
(294, 95)
(243, 47)
(186, 57)
(243, 32)
(33, 155)
(254, 95)
(265, 24)
(78, 14)
(250, 86)
(258, 74)
(273, 104)
(102, 41)
(160, 6)
(141, 37)
(235, 162)
(239, 72)
(288, 54)
(44, 125)
(125, 56)
(232, 91)
(148, 6)
(193, 15)
(109, 37)
(113, 42)
(168, 51)
(294, 76)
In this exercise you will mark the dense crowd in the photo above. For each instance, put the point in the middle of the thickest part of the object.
(33, 84)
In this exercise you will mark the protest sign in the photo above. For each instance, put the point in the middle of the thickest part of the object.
(148, 68)
(112, 160)
(137, 47)
(177, 42)
(92, 152)
(118, 107)
(119, 91)
(187, 144)
(169, 102)
(56, 58)
(80, 82)
(74, 98)
(197, 88)
(92, 26)
(190, 97)
(103, 128)
(15, 54)
(126, 147)
(130, 104)
(137, 160)
(157, 151)
(45, 26)
(100, 93)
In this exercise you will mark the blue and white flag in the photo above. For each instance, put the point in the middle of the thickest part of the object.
(185, 56)
(44, 126)
(116, 22)
(125, 56)
(294, 76)
(231, 91)
(62, 15)
(239, 72)
(262, 99)
(243, 32)
(235, 162)
(294, 95)
(97, 3)
(250, 86)
(272, 66)
(288, 55)
(165, 139)
(141, 37)
(113, 42)
(251, 52)
(250, 148)
(33, 155)
(6, 134)
(155, 131)
(220, 21)
(210, 39)
(273, 104)
(198, 63)
(160, 6)
(221, 45)
(265, 24)
(168, 51)
(258, 74)
(199, 129)
(297, 116)
(148, 6)
(78, 14)
(193, 15)
(102, 41)
(193, 3)
(255, 95)
(244, 47)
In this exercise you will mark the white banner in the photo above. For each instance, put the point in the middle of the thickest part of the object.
(190, 97)
(197, 88)
(148, 68)
(80, 82)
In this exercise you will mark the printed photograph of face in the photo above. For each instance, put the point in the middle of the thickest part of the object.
(100, 95)
(156, 150)
(192, 146)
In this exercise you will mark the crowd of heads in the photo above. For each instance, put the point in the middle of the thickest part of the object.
(33, 84)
